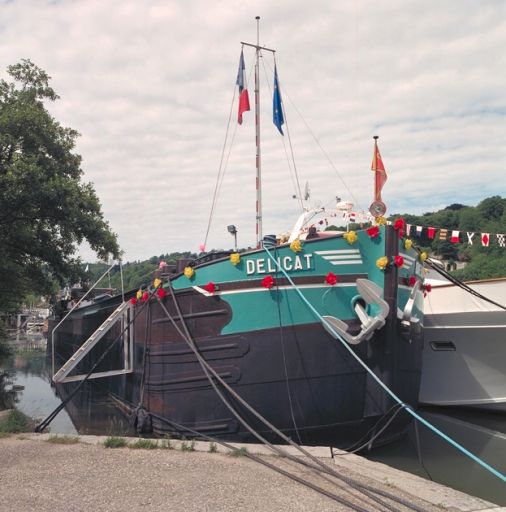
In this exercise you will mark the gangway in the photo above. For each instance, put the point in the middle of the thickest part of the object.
(123, 313)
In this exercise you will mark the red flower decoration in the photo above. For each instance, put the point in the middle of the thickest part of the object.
(133, 301)
(398, 261)
(161, 293)
(145, 296)
(400, 224)
(412, 281)
(210, 287)
(268, 282)
(373, 231)
(428, 287)
(331, 279)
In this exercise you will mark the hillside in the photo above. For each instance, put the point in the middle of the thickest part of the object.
(488, 218)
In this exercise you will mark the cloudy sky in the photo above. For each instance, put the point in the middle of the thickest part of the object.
(149, 85)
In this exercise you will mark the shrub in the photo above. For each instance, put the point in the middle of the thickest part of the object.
(185, 447)
(166, 443)
(16, 422)
(239, 452)
(115, 442)
(63, 439)
(146, 444)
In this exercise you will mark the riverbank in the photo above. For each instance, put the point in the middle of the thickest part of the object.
(43, 476)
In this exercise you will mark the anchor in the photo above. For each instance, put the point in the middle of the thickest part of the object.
(371, 294)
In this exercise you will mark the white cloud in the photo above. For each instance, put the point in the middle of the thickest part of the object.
(149, 87)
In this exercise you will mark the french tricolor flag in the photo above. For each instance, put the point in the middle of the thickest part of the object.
(243, 91)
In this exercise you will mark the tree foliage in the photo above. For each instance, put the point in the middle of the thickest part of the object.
(489, 216)
(136, 273)
(46, 209)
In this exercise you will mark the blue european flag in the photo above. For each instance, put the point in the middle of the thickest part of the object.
(277, 109)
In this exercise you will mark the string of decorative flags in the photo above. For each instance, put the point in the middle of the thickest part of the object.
(455, 236)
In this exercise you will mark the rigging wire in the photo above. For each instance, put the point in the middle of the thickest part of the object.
(294, 175)
(355, 201)
(220, 169)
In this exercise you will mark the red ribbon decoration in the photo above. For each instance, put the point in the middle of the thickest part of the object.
(161, 293)
(145, 296)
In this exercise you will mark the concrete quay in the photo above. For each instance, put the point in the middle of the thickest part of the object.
(43, 476)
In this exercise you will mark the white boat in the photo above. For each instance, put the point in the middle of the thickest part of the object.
(464, 355)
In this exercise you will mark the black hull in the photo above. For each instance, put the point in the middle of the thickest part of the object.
(299, 378)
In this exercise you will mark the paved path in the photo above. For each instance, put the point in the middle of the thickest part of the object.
(42, 476)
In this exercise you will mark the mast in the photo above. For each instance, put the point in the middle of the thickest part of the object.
(258, 156)
(257, 139)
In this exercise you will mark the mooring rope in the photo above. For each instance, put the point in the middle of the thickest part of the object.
(317, 464)
(408, 408)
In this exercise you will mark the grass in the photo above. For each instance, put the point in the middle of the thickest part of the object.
(115, 442)
(63, 439)
(143, 444)
(187, 447)
(213, 448)
(166, 443)
(239, 452)
(16, 422)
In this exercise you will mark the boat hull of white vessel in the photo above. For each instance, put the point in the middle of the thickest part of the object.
(464, 355)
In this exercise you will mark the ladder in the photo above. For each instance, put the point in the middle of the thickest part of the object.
(121, 312)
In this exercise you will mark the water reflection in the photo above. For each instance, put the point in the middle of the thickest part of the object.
(27, 385)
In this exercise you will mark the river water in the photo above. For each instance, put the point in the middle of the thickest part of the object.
(420, 452)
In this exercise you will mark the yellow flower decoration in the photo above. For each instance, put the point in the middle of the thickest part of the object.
(351, 237)
(382, 263)
(139, 293)
(189, 272)
(423, 256)
(380, 221)
(296, 245)
(408, 244)
(157, 282)
(235, 258)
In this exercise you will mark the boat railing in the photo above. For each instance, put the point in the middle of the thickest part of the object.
(78, 303)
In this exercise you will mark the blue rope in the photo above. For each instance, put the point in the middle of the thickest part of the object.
(481, 462)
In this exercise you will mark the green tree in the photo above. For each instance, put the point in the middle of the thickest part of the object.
(46, 209)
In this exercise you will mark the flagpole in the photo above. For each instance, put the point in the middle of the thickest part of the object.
(376, 181)
(258, 164)
(257, 138)
(378, 207)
